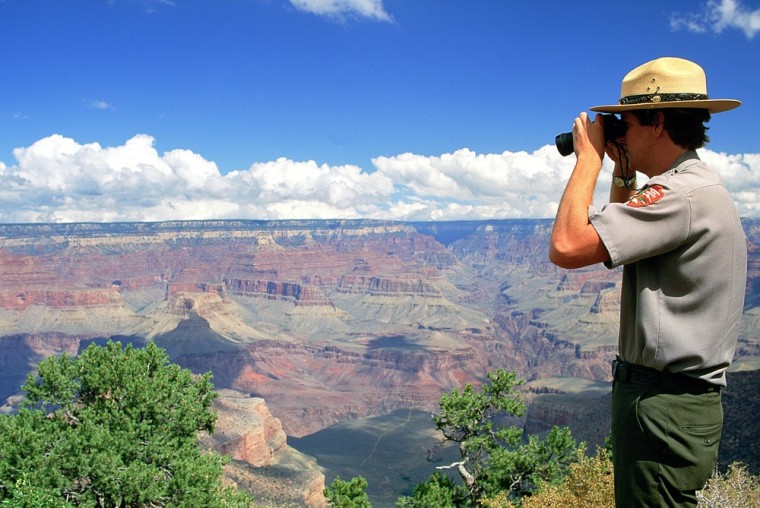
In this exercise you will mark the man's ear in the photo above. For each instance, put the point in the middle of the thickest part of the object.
(659, 123)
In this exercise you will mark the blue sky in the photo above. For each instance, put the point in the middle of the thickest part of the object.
(390, 109)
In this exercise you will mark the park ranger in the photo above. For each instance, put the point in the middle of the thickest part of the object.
(684, 257)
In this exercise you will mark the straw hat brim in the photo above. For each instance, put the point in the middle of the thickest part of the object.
(712, 105)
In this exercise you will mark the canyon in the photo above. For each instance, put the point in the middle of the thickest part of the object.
(309, 324)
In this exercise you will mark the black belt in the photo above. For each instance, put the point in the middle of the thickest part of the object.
(631, 373)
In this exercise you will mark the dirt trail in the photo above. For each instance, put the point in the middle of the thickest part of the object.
(381, 436)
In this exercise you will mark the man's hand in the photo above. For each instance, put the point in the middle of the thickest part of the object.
(588, 136)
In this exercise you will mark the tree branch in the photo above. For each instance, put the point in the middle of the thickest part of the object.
(468, 478)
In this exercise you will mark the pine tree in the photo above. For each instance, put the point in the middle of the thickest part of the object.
(114, 426)
(348, 494)
(494, 457)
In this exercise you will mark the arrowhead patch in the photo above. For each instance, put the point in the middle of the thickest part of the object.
(647, 196)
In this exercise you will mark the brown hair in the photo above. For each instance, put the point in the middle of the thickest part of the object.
(685, 126)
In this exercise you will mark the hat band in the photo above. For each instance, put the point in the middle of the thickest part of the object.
(662, 97)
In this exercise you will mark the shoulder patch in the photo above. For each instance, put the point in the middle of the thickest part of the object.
(646, 196)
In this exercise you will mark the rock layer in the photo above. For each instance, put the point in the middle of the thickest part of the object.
(325, 320)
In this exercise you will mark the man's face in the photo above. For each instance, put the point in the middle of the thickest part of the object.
(637, 141)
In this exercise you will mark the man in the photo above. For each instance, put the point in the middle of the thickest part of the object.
(684, 255)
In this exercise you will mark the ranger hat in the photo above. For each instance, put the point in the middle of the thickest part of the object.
(667, 83)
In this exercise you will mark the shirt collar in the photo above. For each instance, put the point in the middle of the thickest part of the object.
(678, 164)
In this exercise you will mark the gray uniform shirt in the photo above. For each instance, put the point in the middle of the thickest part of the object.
(685, 270)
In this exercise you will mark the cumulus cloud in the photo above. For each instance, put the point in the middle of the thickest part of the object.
(465, 184)
(57, 179)
(718, 16)
(339, 9)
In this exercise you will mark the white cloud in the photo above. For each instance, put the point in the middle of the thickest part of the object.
(57, 179)
(741, 175)
(718, 16)
(99, 104)
(372, 9)
(510, 184)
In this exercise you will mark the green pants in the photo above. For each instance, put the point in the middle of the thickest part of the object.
(664, 443)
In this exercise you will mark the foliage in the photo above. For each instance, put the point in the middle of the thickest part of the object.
(737, 488)
(589, 484)
(113, 427)
(24, 495)
(494, 456)
(350, 494)
(438, 491)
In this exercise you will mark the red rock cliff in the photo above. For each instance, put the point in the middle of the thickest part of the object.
(247, 432)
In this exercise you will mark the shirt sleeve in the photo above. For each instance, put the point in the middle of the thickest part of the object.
(654, 221)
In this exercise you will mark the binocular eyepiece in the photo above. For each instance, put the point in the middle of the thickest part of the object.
(613, 129)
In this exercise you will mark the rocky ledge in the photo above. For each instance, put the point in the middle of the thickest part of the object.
(262, 462)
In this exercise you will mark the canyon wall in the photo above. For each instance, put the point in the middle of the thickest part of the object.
(325, 321)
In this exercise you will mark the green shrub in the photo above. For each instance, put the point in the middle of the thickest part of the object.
(350, 494)
(115, 426)
(589, 484)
